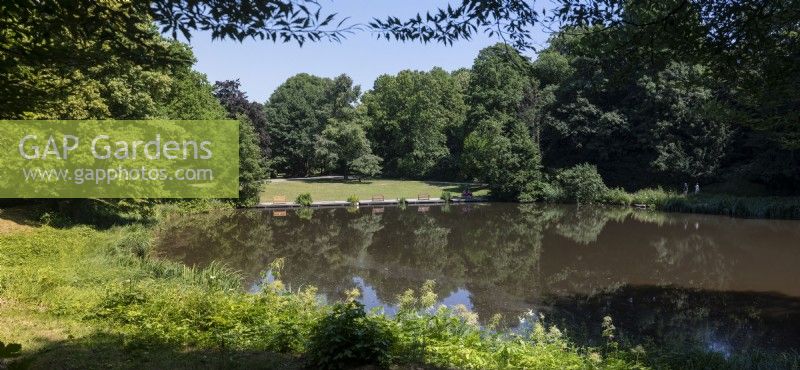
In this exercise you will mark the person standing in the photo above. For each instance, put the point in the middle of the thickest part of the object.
(697, 188)
(685, 188)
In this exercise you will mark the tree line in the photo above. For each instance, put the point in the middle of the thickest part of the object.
(638, 93)
(586, 104)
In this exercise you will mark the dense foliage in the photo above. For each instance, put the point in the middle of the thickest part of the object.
(501, 149)
(582, 184)
(80, 74)
(416, 122)
(298, 112)
(632, 94)
(343, 147)
(236, 103)
(650, 93)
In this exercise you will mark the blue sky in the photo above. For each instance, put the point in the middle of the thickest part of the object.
(262, 65)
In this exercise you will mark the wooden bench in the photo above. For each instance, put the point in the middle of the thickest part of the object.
(423, 197)
(378, 198)
(279, 199)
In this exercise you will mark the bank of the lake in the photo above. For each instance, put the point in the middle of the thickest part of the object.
(329, 190)
(80, 297)
(93, 298)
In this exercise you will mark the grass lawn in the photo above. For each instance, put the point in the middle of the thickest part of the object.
(334, 189)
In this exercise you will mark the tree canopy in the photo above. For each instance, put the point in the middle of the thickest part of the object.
(298, 112)
(416, 122)
(343, 147)
(646, 91)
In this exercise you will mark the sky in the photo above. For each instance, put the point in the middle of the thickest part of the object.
(261, 66)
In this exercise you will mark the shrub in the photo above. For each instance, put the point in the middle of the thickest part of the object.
(617, 196)
(347, 338)
(304, 200)
(651, 197)
(549, 192)
(446, 196)
(353, 199)
(582, 184)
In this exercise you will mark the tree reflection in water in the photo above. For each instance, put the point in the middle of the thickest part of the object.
(699, 279)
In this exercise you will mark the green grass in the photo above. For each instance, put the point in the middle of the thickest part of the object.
(322, 190)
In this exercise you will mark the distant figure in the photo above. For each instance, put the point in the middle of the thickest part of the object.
(697, 188)
(685, 188)
(466, 193)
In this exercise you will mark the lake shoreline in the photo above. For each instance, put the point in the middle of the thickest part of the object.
(336, 192)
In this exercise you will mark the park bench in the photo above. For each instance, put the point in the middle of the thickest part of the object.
(378, 198)
(279, 199)
(423, 197)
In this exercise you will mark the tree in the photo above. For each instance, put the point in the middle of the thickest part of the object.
(298, 112)
(101, 59)
(235, 102)
(366, 166)
(341, 144)
(691, 135)
(501, 152)
(191, 97)
(251, 167)
(642, 122)
(501, 149)
(414, 118)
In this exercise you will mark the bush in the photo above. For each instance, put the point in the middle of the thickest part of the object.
(617, 196)
(549, 192)
(651, 197)
(353, 199)
(446, 196)
(304, 200)
(582, 184)
(347, 338)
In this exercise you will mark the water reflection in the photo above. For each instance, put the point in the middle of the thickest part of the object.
(708, 280)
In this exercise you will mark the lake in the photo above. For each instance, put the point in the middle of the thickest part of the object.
(710, 282)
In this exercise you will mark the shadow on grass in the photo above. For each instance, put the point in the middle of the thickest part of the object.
(104, 351)
(113, 351)
(27, 215)
(458, 187)
(334, 181)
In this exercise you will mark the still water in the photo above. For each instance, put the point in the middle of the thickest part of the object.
(718, 283)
